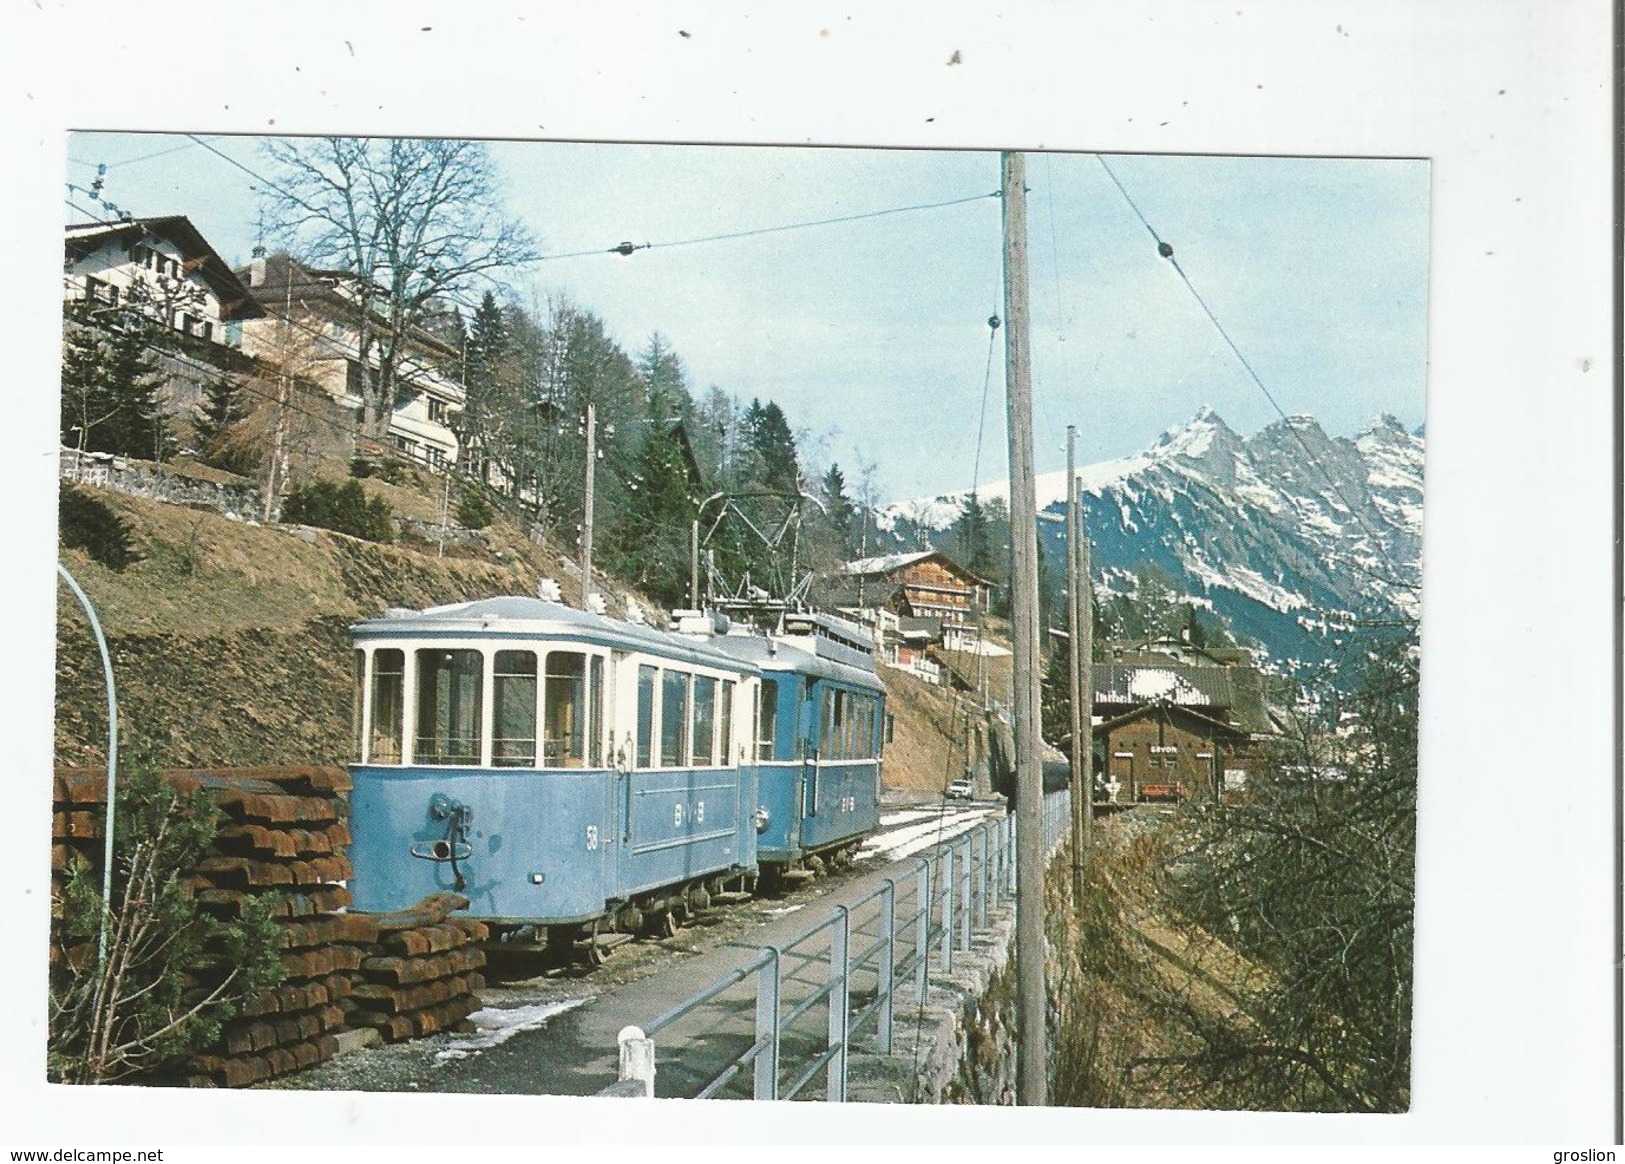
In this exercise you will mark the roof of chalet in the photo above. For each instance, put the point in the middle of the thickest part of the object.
(870, 567)
(1236, 693)
(919, 629)
(1153, 650)
(287, 278)
(236, 300)
(1168, 709)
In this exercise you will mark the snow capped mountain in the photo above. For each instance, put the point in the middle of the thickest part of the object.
(1285, 534)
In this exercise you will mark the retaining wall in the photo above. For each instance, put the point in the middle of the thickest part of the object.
(958, 1044)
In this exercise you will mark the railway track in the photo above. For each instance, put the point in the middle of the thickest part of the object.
(554, 1032)
(903, 832)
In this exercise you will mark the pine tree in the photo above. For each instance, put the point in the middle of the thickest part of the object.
(648, 543)
(663, 376)
(221, 409)
(841, 514)
(110, 383)
(775, 447)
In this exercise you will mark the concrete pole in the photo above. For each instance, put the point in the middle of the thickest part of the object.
(586, 507)
(1032, 1084)
(1077, 724)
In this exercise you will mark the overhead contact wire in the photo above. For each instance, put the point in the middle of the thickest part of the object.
(1166, 250)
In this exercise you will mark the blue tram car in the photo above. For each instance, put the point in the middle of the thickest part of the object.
(820, 729)
(573, 774)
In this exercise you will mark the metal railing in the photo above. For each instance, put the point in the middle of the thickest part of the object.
(795, 1012)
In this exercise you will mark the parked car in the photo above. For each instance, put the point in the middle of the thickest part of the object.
(961, 789)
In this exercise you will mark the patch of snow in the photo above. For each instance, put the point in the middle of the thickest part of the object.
(499, 1024)
(780, 911)
(908, 841)
(885, 564)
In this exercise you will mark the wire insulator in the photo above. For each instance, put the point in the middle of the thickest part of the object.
(993, 322)
(1166, 250)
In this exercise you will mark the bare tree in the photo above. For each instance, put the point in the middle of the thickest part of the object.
(412, 220)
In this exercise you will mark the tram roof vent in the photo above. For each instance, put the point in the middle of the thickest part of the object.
(398, 612)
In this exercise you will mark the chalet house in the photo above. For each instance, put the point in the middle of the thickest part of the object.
(1173, 720)
(161, 268)
(923, 584)
(314, 321)
(915, 602)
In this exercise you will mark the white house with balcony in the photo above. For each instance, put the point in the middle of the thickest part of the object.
(314, 319)
(161, 268)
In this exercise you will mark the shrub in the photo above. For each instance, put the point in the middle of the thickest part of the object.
(474, 511)
(173, 974)
(87, 523)
(345, 508)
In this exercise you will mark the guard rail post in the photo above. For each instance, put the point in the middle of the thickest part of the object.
(1010, 848)
(767, 1029)
(981, 878)
(992, 867)
(967, 906)
(922, 926)
(637, 1058)
(839, 1003)
(996, 831)
(947, 908)
(885, 971)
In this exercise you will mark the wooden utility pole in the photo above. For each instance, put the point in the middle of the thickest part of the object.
(1086, 669)
(278, 457)
(694, 565)
(1077, 724)
(1032, 1070)
(586, 507)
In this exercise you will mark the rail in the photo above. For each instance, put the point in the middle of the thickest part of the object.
(796, 1011)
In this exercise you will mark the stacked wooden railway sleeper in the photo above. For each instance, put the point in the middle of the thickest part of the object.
(281, 837)
(422, 973)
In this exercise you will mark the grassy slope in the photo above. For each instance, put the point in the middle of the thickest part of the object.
(231, 644)
(230, 641)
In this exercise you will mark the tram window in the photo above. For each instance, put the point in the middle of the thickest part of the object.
(826, 744)
(703, 752)
(564, 706)
(388, 706)
(767, 719)
(841, 726)
(673, 718)
(646, 716)
(802, 729)
(358, 693)
(725, 722)
(449, 694)
(513, 705)
(595, 713)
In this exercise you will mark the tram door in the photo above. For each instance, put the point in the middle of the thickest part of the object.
(806, 733)
(629, 706)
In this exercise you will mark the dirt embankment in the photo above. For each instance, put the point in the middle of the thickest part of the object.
(1135, 987)
(928, 743)
(230, 642)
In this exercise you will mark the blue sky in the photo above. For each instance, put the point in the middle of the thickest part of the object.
(873, 336)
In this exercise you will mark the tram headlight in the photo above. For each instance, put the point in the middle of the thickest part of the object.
(763, 819)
